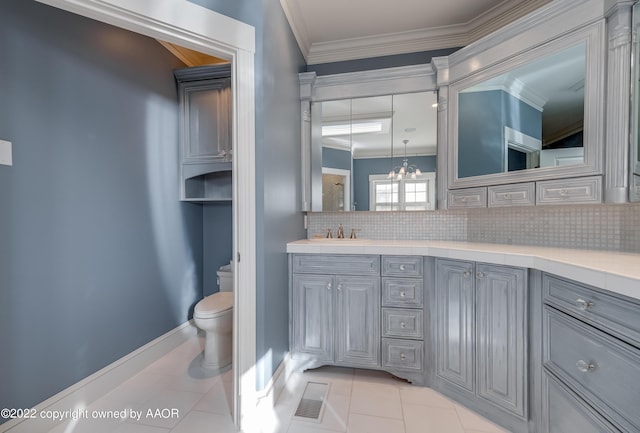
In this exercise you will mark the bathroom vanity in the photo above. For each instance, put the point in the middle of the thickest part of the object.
(535, 339)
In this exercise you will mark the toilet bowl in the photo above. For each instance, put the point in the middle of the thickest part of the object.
(214, 316)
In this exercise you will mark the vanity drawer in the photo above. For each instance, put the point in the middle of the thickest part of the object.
(565, 412)
(401, 266)
(402, 292)
(619, 316)
(336, 264)
(468, 197)
(402, 323)
(520, 194)
(402, 354)
(581, 190)
(603, 369)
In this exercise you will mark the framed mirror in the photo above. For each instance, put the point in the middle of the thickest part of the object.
(360, 128)
(379, 152)
(534, 116)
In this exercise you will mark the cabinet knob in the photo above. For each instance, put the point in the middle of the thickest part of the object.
(403, 294)
(403, 267)
(584, 305)
(403, 325)
(403, 356)
(339, 287)
(479, 274)
(585, 366)
(329, 286)
(466, 274)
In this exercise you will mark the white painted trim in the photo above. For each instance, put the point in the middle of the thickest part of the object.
(83, 393)
(187, 24)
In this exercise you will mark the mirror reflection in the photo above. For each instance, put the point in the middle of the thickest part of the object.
(527, 118)
(379, 153)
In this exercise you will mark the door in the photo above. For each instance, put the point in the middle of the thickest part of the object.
(313, 315)
(358, 321)
(501, 336)
(455, 322)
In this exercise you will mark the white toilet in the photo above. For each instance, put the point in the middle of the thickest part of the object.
(214, 315)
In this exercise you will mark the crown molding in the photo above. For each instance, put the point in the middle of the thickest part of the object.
(404, 42)
(296, 22)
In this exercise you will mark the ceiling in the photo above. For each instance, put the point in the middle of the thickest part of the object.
(338, 30)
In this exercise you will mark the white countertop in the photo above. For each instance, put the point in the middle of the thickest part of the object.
(610, 270)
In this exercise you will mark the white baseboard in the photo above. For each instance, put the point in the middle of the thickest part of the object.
(91, 388)
(264, 416)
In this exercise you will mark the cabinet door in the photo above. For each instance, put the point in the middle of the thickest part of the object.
(455, 322)
(358, 321)
(313, 315)
(206, 121)
(501, 336)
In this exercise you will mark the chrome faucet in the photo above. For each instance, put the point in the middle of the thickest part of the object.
(340, 232)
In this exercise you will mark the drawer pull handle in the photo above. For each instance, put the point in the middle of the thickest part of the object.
(403, 267)
(403, 325)
(403, 294)
(586, 367)
(584, 305)
(403, 356)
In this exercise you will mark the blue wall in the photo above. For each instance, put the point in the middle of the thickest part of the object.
(393, 61)
(363, 167)
(336, 158)
(482, 117)
(217, 238)
(97, 254)
(278, 182)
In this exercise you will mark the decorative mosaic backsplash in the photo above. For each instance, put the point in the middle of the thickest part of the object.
(598, 227)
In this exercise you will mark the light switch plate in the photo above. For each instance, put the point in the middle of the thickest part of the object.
(5, 153)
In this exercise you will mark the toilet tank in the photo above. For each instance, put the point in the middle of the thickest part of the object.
(225, 278)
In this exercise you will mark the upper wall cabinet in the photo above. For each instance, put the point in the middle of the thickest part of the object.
(205, 132)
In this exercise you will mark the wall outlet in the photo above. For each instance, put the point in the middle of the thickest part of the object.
(5, 153)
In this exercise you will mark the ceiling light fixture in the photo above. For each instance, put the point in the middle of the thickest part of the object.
(405, 169)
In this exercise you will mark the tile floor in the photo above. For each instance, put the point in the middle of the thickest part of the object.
(359, 401)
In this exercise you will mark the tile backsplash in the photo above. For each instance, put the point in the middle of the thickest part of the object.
(598, 227)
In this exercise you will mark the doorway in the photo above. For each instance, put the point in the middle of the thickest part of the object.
(203, 30)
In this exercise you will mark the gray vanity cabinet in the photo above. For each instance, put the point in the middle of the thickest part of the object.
(481, 337)
(336, 310)
(591, 358)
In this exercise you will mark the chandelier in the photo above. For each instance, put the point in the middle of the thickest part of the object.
(405, 169)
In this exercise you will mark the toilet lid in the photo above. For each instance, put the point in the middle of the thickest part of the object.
(214, 305)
